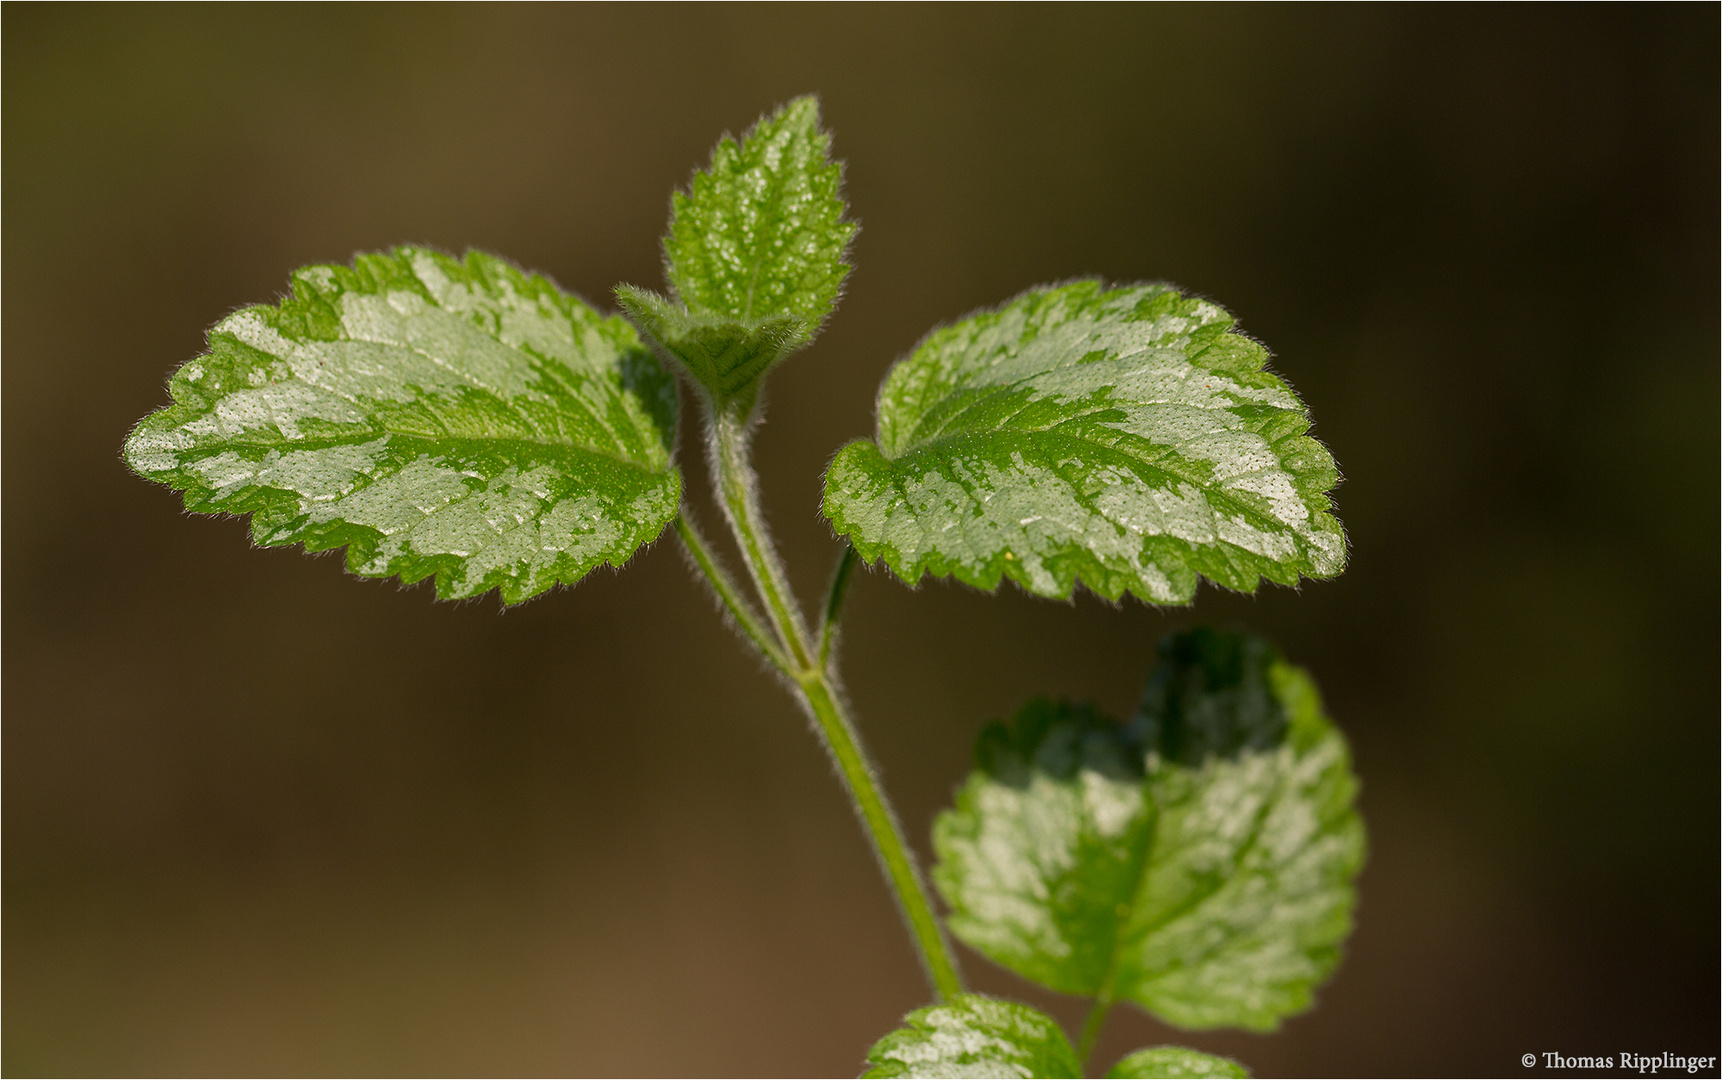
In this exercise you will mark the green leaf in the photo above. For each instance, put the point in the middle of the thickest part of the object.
(761, 231)
(1198, 862)
(727, 359)
(438, 416)
(1126, 438)
(754, 256)
(1174, 1061)
(973, 1035)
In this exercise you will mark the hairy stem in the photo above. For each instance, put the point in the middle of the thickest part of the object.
(746, 620)
(816, 687)
(738, 488)
(1091, 1027)
(895, 858)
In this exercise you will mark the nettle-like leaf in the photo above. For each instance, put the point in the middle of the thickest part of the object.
(760, 232)
(726, 358)
(1174, 1061)
(1127, 438)
(1198, 862)
(438, 416)
(755, 256)
(974, 1035)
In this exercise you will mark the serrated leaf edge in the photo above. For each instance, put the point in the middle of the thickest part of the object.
(197, 495)
(1087, 572)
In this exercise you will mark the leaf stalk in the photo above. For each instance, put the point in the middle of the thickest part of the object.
(834, 598)
(738, 491)
(746, 619)
(1092, 1026)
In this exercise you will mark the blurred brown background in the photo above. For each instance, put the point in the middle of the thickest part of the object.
(262, 817)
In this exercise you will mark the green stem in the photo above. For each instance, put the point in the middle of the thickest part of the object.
(876, 815)
(817, 690)
(737, 606)
(739, 491)
(1091, 1027)
(834, 602)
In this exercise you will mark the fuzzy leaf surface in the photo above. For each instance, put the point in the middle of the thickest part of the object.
(1174, 1061)
(1125, 438)
(726, 358)
(974, 1035)
(760, 232)
(444, 417)
(1198, 861)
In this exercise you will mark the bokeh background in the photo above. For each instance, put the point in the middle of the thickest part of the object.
(261, 817)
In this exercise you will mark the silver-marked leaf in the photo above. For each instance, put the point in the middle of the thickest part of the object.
(1198, 862)
(974, 1035)
(437, 416)
(1174, 1061)
(1127, 438)
(760, 232)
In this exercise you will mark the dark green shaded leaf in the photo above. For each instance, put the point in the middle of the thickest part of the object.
(1126, 438)
(973, 1035)
(1174, 1061)
(1197, 862)
(437, 416)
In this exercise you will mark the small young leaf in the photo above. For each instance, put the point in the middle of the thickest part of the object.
(761, 231)
(727, 359)
(973, 1035)
(1174, 1061)
(1126, 438)
(755, 256)
(1197, 862)
(456, 418)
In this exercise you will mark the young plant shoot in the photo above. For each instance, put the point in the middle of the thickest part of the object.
(462, 420)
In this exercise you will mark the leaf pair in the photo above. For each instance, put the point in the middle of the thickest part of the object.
(975, 1035)
(1197, 861)
(464, 420)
